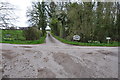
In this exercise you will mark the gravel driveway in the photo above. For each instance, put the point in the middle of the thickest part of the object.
(54, 59)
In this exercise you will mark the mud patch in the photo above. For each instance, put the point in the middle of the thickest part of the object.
(105, 52)
(45, 73)
(6, 51)
(89, 53)
(25, 46)
(71, 67)
(8, 54)
(28, 50)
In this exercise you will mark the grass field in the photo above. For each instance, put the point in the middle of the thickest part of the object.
(17, 37)
(87, 44)
(8, 35)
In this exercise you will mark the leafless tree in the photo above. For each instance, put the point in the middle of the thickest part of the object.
(7, 15)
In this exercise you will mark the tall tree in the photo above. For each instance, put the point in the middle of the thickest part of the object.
(52, 12)
(57, 14)
(117, 29)
(93, 20)
(37, 15)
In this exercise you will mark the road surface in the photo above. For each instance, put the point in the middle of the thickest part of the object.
(54, 59)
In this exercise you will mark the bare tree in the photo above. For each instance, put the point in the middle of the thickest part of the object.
(7, 15)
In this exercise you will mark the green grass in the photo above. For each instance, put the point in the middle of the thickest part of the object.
(40, 41)
(87, 44)
(14, 34)
(17, 37)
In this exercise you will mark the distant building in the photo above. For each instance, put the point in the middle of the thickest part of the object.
(14, 28)
(23, 28)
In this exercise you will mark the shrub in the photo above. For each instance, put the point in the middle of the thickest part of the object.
(32, 33)
(8, 39)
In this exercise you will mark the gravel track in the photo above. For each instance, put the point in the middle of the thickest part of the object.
(54, 59)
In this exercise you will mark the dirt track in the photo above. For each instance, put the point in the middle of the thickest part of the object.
(54, 59)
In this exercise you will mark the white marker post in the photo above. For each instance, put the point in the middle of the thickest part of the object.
(108, 38)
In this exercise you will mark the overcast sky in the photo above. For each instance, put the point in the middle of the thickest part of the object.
(22, 6)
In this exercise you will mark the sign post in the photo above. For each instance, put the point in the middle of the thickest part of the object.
(76, 37)
(108, 38)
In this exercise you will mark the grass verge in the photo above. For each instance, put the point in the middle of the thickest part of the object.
(114, 44)
(16, 37)
(40, 41)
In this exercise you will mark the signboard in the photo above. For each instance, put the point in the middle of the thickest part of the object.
(76, 37)
(108, 38)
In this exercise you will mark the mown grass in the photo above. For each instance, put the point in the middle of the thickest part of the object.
(114, 44)
(18, 38)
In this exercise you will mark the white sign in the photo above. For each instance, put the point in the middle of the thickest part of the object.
(108, 38)
(76, 37)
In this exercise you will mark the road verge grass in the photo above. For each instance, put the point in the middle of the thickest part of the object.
(18, 38)
(114, 44)
(40, 41)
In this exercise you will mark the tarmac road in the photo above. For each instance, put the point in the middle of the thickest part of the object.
(54, 59)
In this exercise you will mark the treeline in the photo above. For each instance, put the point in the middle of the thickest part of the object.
(93, 21)
(37, 16)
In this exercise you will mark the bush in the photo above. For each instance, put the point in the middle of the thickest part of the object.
(32, 33)
(8, 39)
